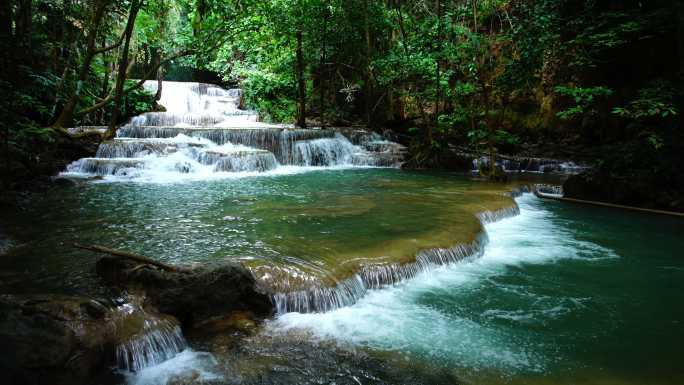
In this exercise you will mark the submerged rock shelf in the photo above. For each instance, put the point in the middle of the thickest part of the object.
(322, 298)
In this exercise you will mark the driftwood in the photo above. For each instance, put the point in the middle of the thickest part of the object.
(131, 256)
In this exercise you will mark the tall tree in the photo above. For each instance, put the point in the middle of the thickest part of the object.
(97, 12)
(122, 71)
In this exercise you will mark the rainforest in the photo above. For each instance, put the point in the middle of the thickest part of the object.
(341, 192)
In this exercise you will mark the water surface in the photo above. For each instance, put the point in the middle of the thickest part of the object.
(324, 224)
(563, 294)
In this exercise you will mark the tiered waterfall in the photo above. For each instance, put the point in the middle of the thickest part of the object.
(204, 132)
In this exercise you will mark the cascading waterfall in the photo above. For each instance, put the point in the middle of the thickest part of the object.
(160, 343)
(321, 298)
(203, 132)
(160, 339)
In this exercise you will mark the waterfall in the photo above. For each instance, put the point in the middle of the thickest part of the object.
(203, 133)
(321, 298)
(161, 341)
(157, 340)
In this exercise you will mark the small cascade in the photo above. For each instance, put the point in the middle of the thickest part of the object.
(204, 132)
(236, 161)
(531, 165)
(320, 298)
(324, 151)
(161, 341)
(106, 166)
(147, 338)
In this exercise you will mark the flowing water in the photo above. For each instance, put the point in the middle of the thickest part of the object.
(431, 269)
(204, 134)
(562, 294)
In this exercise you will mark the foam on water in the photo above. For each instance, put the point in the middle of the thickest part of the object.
(187, 367)
(428, 315)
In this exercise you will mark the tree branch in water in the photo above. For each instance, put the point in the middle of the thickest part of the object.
(131, 256)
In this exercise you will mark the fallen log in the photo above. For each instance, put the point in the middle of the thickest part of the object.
(131, 256)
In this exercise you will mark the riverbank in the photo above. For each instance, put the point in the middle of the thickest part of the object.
(24, 178)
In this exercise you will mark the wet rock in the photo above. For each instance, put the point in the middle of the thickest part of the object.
(445, 160)
(296, 357)
(6, 242)
(32, 171)
(199, 294)
(237, 321)
(53, 339)
(63, 182)
(191, 378)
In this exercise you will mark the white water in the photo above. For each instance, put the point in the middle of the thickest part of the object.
(187, 367)
(158, 343)
(203, 134)
(432, 316)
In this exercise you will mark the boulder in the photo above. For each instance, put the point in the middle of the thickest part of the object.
(191, 296)
(53, 339)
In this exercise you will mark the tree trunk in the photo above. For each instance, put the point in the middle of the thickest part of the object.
(100, 116)
(160, 83)
(156, 58)
(122, 70)
(321, 65)
(491, 149)
(475, 26)
(67, 115)
(402, 29)
(7, 42)
(137, 85)
(23, 33)
(368, 92)
(301, 110)
(162, 19)
(438, 90)
(680, 41)
(5, 22)
(7, 65)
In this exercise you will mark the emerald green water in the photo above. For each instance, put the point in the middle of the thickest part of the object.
(321, 224)
(564, 294)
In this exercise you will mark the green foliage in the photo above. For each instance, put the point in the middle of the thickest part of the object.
(488, 73)
(654, 101)
(653, 107)
(137, 101)
(585, 99)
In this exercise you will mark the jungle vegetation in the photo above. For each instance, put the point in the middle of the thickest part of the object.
(574, 78)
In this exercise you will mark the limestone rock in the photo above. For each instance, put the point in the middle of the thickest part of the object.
(202, 293)
(53, 339)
